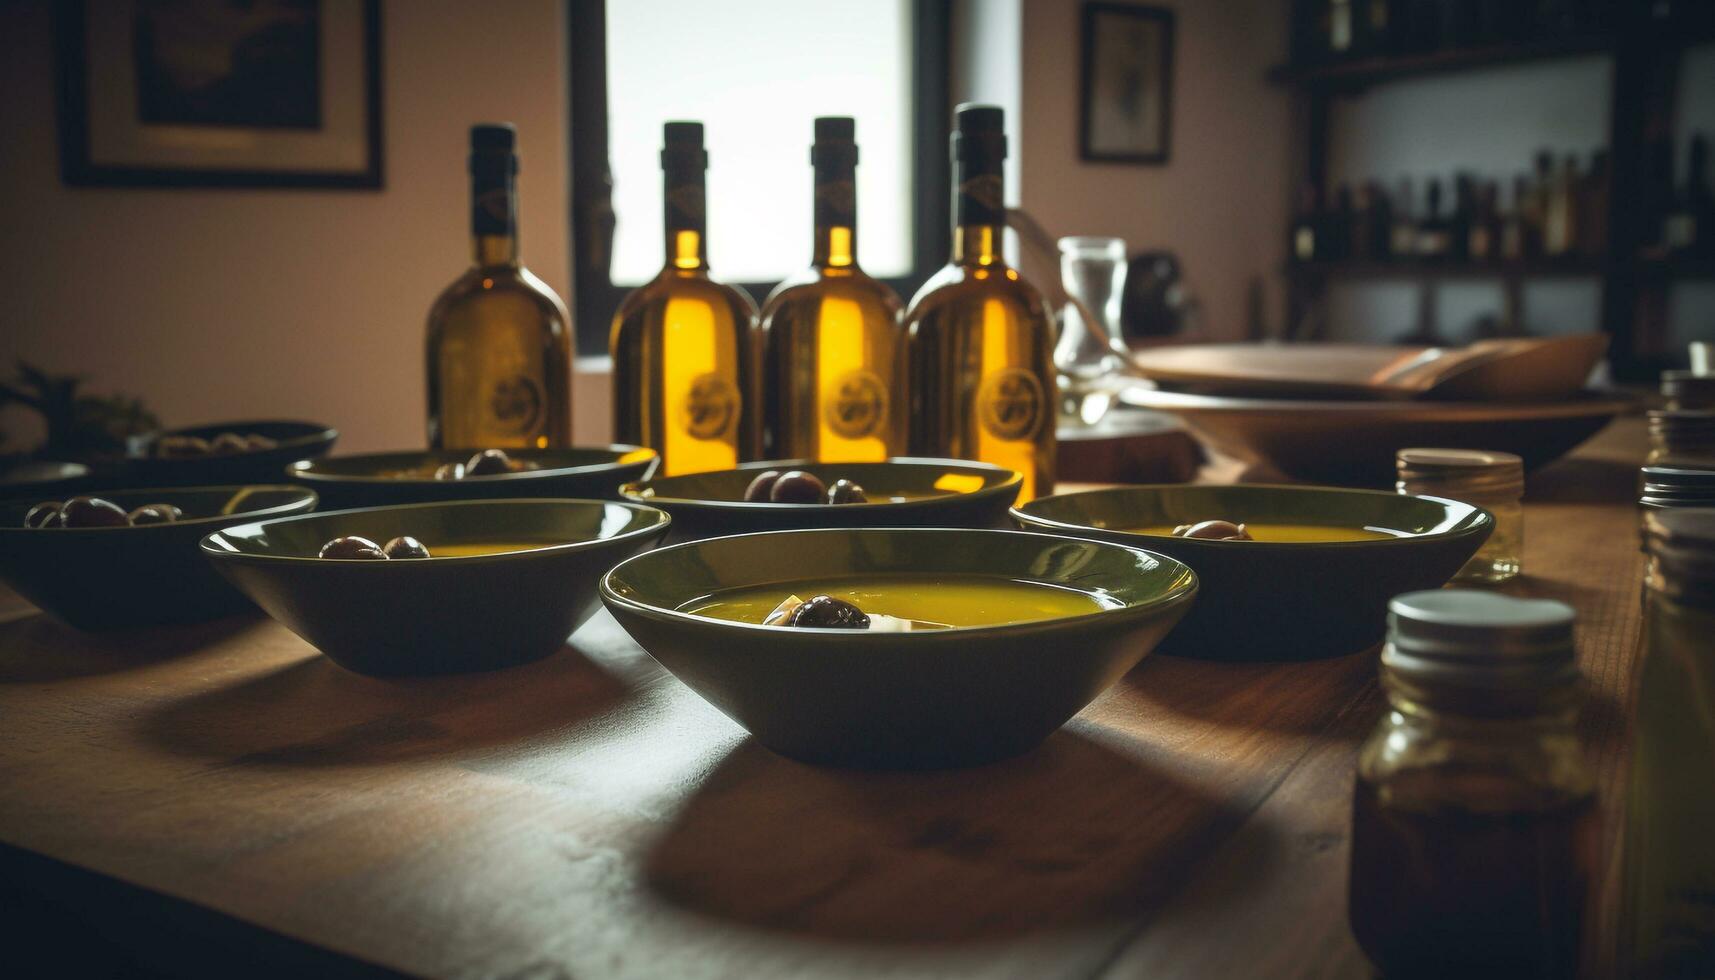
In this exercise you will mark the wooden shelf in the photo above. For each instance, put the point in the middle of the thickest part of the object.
(1414, 269)
(1362, 72)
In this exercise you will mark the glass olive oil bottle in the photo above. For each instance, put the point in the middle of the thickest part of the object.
(684, 371)
(979, 338)
(833, 364)
(499, 348)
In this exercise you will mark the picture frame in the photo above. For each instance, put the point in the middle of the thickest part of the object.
(1125, 110)
(175, 93)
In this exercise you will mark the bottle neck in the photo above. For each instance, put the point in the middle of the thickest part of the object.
(835, 208)
(686, 221)
(979, 212)
(494, 217)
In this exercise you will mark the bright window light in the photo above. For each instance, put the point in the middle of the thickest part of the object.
(756, 74)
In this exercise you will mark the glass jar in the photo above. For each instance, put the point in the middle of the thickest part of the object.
(1473, 817)
(1688, 391)
(1492, 481)
(1668, 487)
(1681, 437)
(1667, 898)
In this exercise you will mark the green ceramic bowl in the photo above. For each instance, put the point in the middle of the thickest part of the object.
(296, 440)
(709, 504)
(929, 699)
(437, 615)
(1275, 600)
(381, 479)
(98, 578)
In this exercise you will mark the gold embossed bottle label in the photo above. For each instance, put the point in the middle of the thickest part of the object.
(857, 405)
(710, 407)
(515, 404)
(1010, 403)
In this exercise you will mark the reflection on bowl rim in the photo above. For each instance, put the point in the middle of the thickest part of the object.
(303, 469)
(636, 490)
(662, 521)
(165, 493)
(1183, 592)
(1484, 517)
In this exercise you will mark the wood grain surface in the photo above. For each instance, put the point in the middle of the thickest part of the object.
(589, 816)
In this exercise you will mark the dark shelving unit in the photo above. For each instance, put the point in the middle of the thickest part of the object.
(1645, 79)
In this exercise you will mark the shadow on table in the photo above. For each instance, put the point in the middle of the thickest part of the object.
(315, 713)
(1302, 698)
(40, 649)
(1070, 833)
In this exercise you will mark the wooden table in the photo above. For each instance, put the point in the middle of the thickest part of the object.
(222, 799)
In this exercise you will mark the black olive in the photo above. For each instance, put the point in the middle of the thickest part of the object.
(797, 487)
(488, 463)
(450, 471)
(351, 546)
(827, 612)
(405, 546)
(761, 486)
(255, 441)
(181, 447)
(155, 514)
(44, 514)
(846, 492)
(92, 512)
(228, 443)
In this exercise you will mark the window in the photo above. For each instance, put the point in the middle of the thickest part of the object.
(756, 74)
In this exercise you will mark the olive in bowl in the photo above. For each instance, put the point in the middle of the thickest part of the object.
(138, 564)
(425, 476)
(505, 583)
(245, 451)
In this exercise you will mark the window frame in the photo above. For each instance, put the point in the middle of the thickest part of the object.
(594, 294)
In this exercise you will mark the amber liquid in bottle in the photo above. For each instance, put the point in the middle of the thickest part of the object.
(684, 371)
(1452, 893)
(979, 338)
(833, 368)
(499, 346)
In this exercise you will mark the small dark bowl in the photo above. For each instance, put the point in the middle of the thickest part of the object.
(373, 480)
(297, 440)
(1267, 600)
(917, 700)
(99, 578)
(438, 615)
(49, 481)
(712, 504)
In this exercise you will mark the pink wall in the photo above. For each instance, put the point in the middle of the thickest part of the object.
(228, 304)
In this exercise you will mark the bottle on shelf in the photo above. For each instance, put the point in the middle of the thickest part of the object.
(1463, 217)
(1536, 205)
(1434, 233)
(1560, 213)
(499, 344)
(1306, 238)
(1341, 26)
(979, 337)
(1338, 231)
(833, 375)
(1515, 224)
(684, 363)
(1402, 239)
(1593, 207)
(1482, 234)
(1687, 229)
(1366, 245)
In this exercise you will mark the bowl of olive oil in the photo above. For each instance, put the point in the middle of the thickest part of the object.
(1311, 573)
(899, 648)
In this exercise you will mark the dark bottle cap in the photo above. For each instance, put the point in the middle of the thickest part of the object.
(497, 137)
(835, 144)
(979, 132)
(682, 146)
(835, 129)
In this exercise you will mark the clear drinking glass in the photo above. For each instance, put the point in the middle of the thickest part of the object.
(1092, 271)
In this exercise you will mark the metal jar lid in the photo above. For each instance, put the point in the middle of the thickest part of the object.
(1688, 389)
(1676, 486)
(1454, 471)
(1471, 639)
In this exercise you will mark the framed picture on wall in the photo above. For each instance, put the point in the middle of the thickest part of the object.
(1126, 93)
(212, 93)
